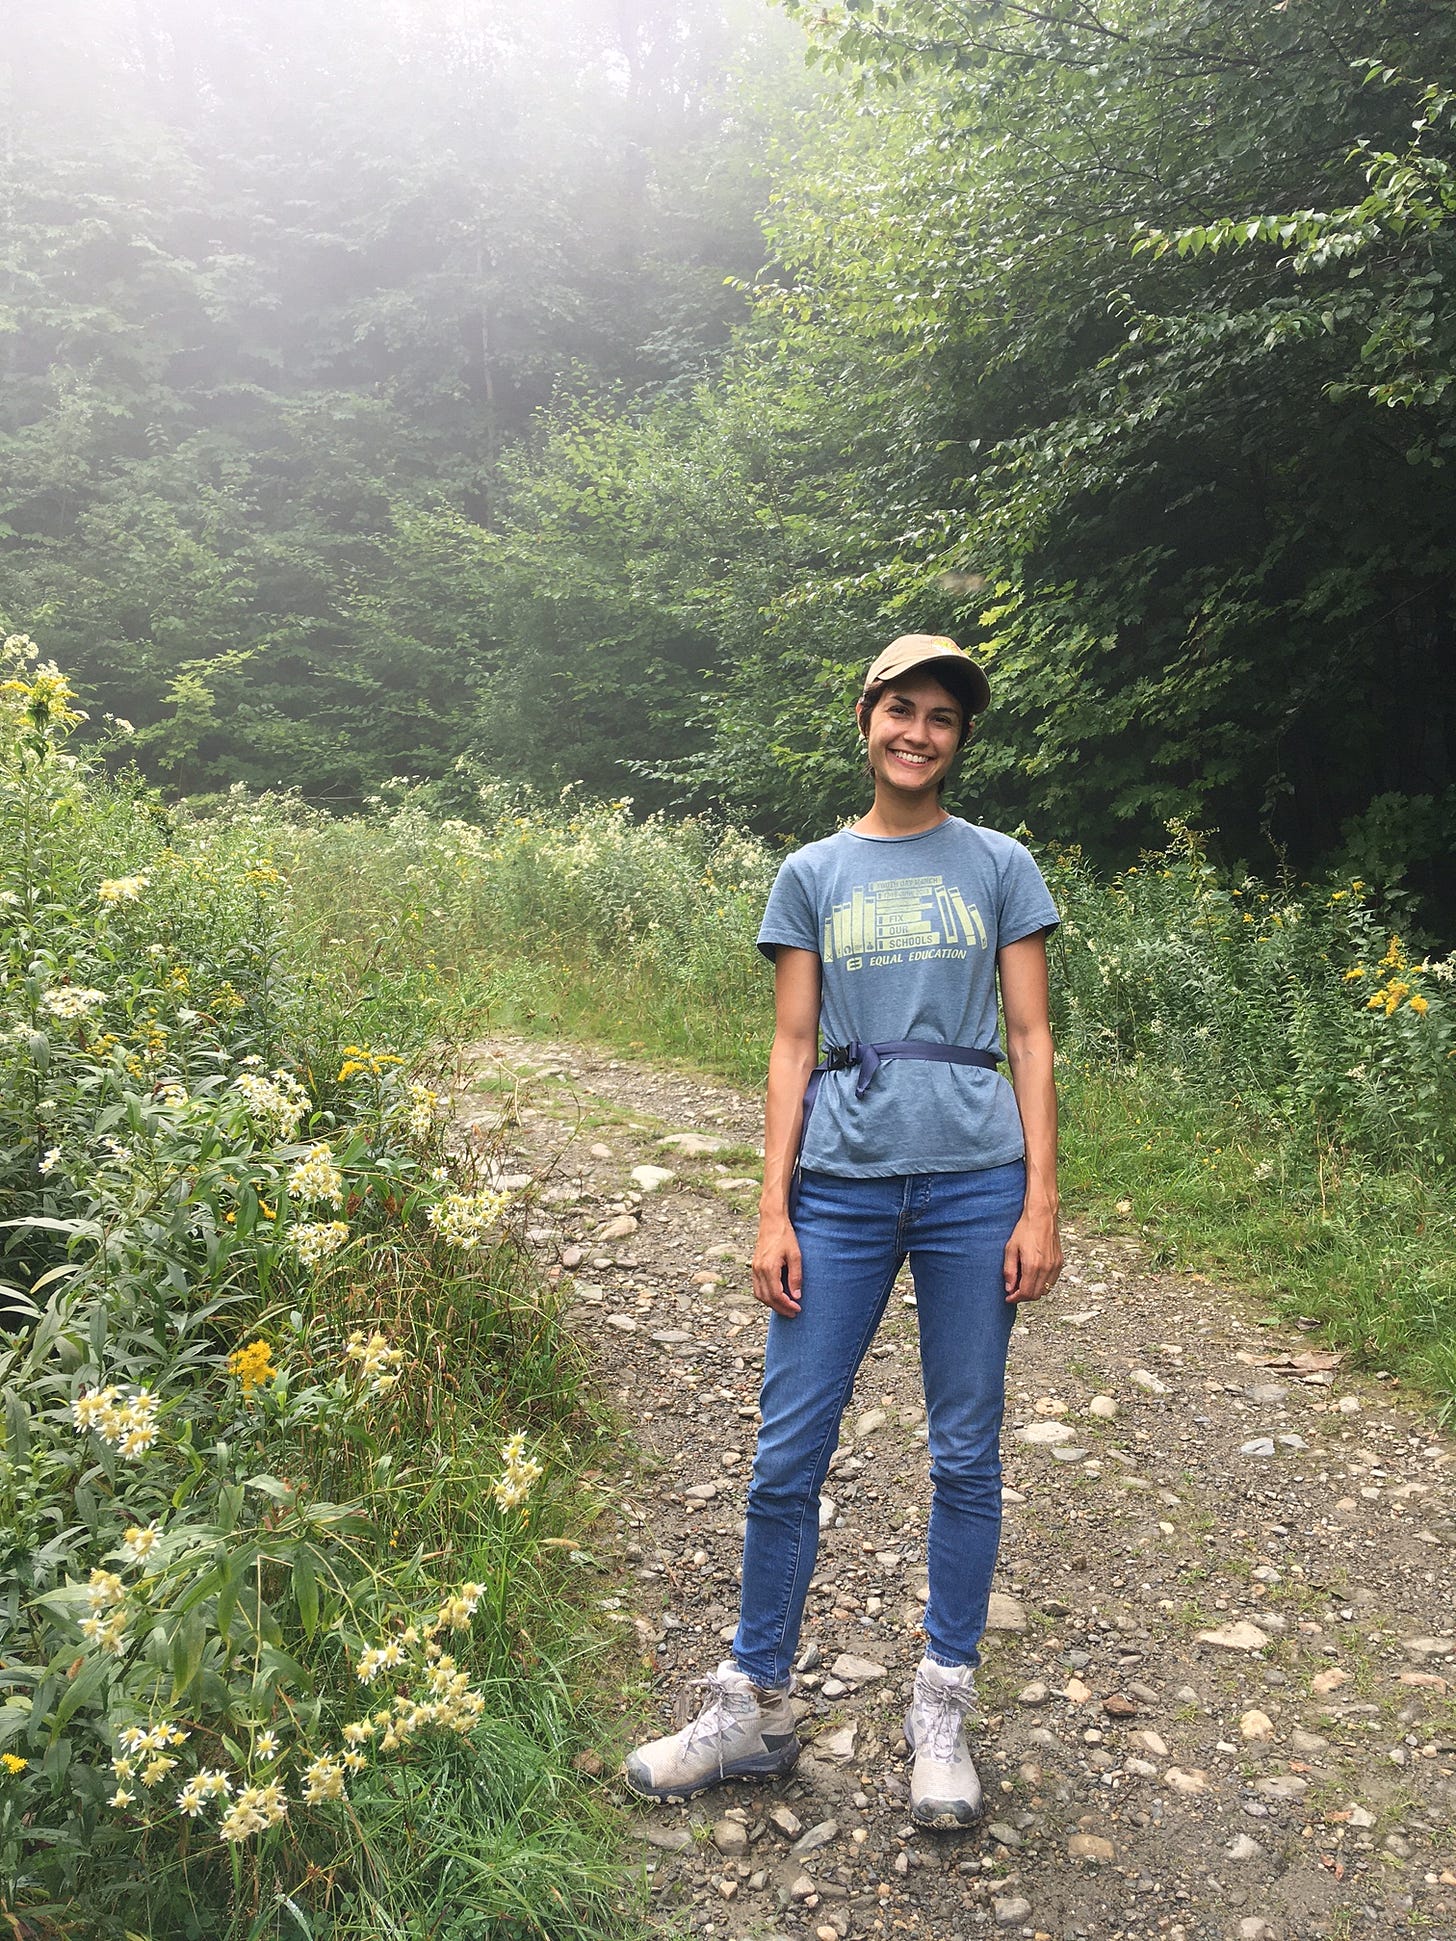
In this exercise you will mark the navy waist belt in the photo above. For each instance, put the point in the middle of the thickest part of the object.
(869, 1058)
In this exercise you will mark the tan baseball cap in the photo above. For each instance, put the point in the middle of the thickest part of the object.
(951, 665)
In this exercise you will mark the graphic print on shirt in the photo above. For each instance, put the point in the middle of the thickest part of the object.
(902, 920)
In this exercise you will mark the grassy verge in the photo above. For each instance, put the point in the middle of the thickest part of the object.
(294, 1451)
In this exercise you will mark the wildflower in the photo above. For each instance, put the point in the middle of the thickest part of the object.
(138, 1543)
(71, 1001)
(122, 889)
(191, 1799)
(457, 1611)
(314, 1241)
(49, 1161)
(122, 1766)
(253, 1367)
(256, 1808)
(265, 1746)
(464, 1219)
(359, 1058)
(137, 1441)
(316, 1177)
(121, 1797)
(1355, 972)
(280, 1099)
(359, 1731)
(13, 1763)
(511, 1488)
(156, 1769)
(375, 1357)
(379, 1658)
(323, 1779)
(1420, 1005)
(423, 1103)
(108, 1633)
(104, 1588)
(354, 1759)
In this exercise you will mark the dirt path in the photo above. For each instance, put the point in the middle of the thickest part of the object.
(1220, 1694)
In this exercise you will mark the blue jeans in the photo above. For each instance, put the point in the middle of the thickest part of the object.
(854, 1235)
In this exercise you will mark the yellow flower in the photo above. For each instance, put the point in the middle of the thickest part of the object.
(1355, 971)
(1420, 1006)
(253, 1367)
(12, 1763)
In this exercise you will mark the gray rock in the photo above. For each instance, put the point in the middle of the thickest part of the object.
(1045, 1434)
(785, 1820)
(1259, 1446)
(623, 1323)
(693, 1145)
(1003, 1831)
(1242, 1847)
(817, 1836)
(1090, 1846)
(671, 1839)
(1005, 1613)
(1036, 1693)
(857, 1670)
(1268, 1394)
(622, 1228)
(730, 1837)
(801, 1888)
(1011, 1913)
(871, 1420)
(650, 1178)
(1282, 1786)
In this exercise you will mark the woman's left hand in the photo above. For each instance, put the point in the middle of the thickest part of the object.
(1033, 1257)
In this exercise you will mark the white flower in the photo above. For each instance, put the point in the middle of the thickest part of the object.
(138, 1543)
(315, 1241)
(122, 889)
(50, 1160)
(316, 1177)
(71, 1000)
(464, 1219)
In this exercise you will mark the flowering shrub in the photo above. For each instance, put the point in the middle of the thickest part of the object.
(236, 1540)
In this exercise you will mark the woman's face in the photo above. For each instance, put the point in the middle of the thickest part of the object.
(912, 734)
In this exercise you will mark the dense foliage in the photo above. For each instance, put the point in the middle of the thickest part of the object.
(374, 393)
(286, 1417)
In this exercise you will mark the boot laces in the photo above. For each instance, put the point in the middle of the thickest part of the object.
(940, 1716)
(723, 1709)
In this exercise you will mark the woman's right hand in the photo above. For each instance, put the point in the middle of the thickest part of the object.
(778, 1267)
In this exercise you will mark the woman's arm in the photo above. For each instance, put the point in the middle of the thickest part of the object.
(777, 1268)
(1034, 1251)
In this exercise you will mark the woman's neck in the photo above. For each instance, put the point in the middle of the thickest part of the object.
(892, 815)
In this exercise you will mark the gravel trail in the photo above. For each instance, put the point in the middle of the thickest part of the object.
(1219, 1695)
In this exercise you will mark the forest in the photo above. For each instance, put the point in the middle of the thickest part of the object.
(451, 391)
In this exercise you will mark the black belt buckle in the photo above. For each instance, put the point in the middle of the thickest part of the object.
(840, 1058)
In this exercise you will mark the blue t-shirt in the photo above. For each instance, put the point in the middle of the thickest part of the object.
(907, 929)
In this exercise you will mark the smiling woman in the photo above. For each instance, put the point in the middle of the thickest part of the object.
(891, 941)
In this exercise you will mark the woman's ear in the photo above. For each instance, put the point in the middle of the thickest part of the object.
(860, 718)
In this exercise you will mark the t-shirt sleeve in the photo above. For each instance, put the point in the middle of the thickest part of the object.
(790, 917)
(1026, 903)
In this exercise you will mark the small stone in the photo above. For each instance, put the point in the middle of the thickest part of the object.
(1011, 1913)
(1090, 1846)
(730, 1837)
(1036, 1693)
(785, 1820)
(1329, 1681)
(727, 1888)
(1004, 1613)
(599, 1151)
(1256, 1725)
(857, 1670)
(623, 1323)
(817, 1836)
(1349, 1405)
(1282, 1786)
(1305, 1743)
(1151, 1742)
(1075, 1692)
(871, 1420)
(1119, 1707)
(670, 1839)
(1049, 1405)
(1428, 1647)
(802, 1888)
(1104, 1407)
(1003, 1831)
(828, 1510)
(826, 1933)
(1361, 1817)
(1241, 1847)
(1046, 1433)
(1268, 1394)
(695, 1145)
(1147, 1381)
(1259, 1446)
(701, 1492)
(622, 1228)
(1254, 1927)
(1194, 1780)
(836, 1745)
(834, 1688)
(1397, 1844)
(1069, 1452)
(738, 1185)
(1242, 1636)
(650, 1178)
(573, 1256)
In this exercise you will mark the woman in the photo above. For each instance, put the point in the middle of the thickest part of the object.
(890, 938)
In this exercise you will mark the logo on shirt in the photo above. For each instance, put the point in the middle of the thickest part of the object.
(902, 920)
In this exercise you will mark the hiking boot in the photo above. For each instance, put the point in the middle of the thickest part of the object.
(944, 1788)
(742, 1732)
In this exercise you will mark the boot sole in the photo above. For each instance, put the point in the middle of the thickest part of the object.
(950, 1815)
(765, 1765)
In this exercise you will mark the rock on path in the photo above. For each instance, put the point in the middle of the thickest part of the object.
(1229, 1705)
